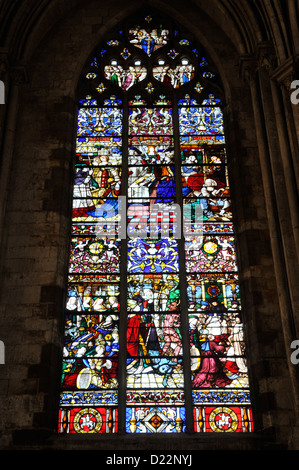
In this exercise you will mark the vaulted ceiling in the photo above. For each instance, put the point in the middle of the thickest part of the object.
(23, 24)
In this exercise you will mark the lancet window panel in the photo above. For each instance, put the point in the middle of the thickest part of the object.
(153, 319)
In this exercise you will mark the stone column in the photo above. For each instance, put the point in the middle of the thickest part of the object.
(284, 182)
(13, 77)
(287, 125)
(255, 69)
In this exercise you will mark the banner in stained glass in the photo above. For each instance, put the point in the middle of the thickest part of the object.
(150, 155)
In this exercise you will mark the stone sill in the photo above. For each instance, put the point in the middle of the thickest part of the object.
(46, 440)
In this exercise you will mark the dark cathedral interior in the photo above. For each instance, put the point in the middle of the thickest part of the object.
(45, 49)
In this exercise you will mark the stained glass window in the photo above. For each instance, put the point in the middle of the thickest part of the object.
(153, 319)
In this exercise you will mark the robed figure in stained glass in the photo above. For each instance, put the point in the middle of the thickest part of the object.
(150, 137)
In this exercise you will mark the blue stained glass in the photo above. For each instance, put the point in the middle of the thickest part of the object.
(90, 336)
(97, 122)
(88, 101)
(152, 256)
(187, 101)
(95, 62)
(157, 143)
(221, 396)
(155, 420)
(212, 101)
(155, 182)
(174, 77)
(207, 121)
(84, 398)
(203, 62)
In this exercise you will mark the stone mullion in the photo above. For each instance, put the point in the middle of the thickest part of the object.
(122, 364)
(183, 276)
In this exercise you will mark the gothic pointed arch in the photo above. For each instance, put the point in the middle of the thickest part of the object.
(153, 337)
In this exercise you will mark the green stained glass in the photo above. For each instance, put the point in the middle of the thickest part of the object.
(150, 154)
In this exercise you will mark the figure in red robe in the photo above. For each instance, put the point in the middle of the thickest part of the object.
(211, 372)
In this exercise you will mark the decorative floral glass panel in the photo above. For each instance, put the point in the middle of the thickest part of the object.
(154, 338)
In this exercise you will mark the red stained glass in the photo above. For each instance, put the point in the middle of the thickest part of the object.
(153, 269)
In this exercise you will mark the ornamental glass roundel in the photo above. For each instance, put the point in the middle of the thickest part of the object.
(153, 317)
